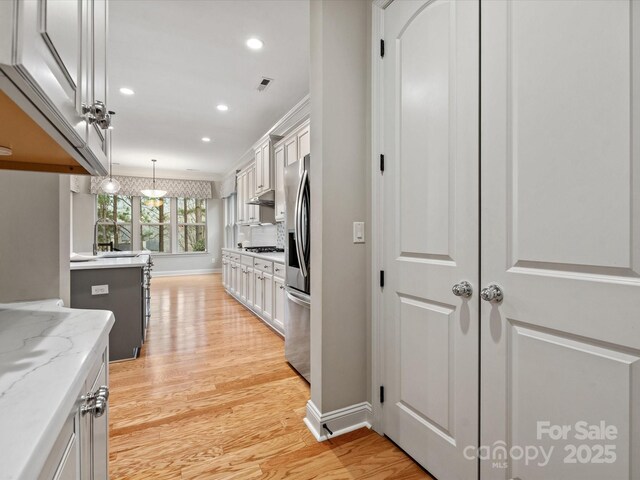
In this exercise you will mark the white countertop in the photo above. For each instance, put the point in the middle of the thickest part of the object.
(46, 352)
(107, 262)
(271, 256)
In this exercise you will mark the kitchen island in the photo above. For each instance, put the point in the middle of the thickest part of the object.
(121, 285)
(49, 357)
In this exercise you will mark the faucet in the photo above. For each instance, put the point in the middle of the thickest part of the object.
(95, 232)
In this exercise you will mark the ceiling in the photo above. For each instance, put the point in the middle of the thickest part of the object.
(184, 57)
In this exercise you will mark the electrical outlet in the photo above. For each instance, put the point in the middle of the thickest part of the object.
(358, 232)
(99, 289)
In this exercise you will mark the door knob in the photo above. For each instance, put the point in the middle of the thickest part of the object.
(462, 289)
(493, 293)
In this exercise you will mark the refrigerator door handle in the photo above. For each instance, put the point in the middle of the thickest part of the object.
(298, 226)
(306, 225)
(298, 299)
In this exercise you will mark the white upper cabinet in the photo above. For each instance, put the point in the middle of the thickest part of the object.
(265, 179)
(279, 176)
(54, 53)
(259, 170)
(304, 141)
(264, 165)
(97, 138)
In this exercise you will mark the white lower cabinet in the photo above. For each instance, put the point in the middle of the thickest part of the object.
(251, 287)
(267, 310)
(258, 284)
(81, 449)
(237, 278)
(278, 303)
(258, 301)
(244, 283)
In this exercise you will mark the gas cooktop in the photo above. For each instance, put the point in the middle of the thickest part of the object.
(263, 249)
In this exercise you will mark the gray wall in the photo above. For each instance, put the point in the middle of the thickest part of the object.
(84, 218)
(340, 178)
(34, 236)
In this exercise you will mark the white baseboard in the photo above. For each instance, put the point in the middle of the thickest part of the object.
(177, 273)
(340, 421)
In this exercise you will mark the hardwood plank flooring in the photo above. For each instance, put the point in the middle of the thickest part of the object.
(212, 397)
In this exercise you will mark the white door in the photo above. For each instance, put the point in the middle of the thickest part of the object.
(561, 236)
(431, 210)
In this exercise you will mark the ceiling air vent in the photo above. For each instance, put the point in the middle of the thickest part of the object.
(264, 83)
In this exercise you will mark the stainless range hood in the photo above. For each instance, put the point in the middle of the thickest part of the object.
(266, 207)
(267, 199)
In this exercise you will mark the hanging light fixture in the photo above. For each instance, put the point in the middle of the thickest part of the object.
(110, 185)
(154, 194)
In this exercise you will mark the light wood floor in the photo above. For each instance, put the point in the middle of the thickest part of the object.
(212, 397)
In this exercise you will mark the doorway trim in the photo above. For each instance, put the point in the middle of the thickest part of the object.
(377, 201)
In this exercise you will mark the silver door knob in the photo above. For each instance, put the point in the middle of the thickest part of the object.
(462, 289)
(493, 293)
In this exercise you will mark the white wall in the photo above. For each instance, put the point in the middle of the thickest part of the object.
(84, 217)
(339, 186)
(34, 236)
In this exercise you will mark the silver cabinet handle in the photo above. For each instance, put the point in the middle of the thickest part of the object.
(266, 266)
(493, 293)
(96, 402)
(462, 289)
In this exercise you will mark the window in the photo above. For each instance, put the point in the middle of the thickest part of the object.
(155, 224)
(114, 222)
(192, 225)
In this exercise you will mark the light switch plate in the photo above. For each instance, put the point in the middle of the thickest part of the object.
(99, 289)
(358, 232)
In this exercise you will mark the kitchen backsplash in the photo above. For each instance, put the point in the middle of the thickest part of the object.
(263, 236)
(280, 234)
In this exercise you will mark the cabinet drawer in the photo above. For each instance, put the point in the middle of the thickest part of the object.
(247, 260)
(263, 266)
(278, 270)
(235, 257)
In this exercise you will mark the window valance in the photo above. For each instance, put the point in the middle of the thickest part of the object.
(174, 188)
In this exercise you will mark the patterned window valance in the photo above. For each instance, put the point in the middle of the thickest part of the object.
(175, 188)
(227, 187)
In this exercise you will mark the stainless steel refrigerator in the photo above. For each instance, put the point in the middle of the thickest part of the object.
(297, 254)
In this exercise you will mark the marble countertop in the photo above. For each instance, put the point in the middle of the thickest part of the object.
(46, 352)
(271, 256)
(109, 262)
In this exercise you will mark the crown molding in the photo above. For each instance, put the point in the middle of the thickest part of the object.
(300, 112)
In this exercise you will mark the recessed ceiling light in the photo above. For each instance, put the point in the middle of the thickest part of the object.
(255, 43)
(6, 151)
(126, 91)
(206, 139)
(222, 107)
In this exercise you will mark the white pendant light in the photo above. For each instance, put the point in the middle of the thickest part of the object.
(153, 192)
(110, 185)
